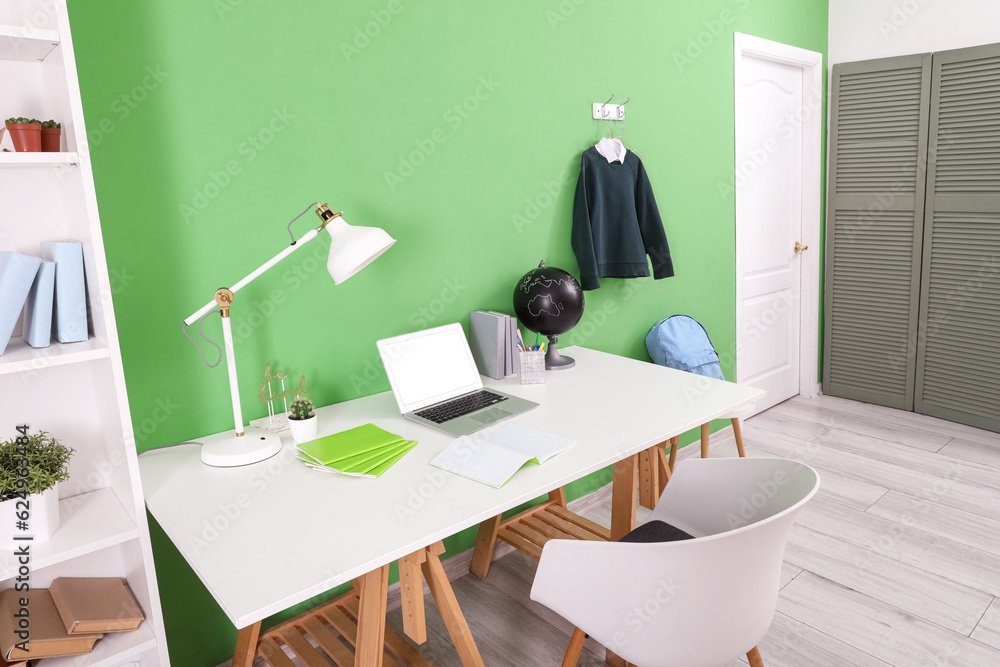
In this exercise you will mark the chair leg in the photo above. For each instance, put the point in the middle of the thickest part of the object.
(704, 441)
(753, 655)
(675, 444)
(738, 432)
(575, 646)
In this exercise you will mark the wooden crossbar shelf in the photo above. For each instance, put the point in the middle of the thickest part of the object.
(531, 529)
(330, 633)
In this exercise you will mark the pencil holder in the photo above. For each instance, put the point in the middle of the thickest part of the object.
(532, 366)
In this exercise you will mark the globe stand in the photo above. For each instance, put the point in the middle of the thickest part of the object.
(555, 361)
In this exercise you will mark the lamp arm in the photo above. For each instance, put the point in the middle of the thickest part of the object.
(308, 236)
(223, 298)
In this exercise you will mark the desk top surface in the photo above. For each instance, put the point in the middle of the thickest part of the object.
(270, 535)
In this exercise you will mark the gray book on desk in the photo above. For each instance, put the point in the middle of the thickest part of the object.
(505, 353)
(509, 341)
(487, 333)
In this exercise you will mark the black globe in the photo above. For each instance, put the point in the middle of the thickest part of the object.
(548, 300)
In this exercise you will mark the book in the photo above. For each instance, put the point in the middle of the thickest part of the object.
(505, 342)
(509, 341)
(45, 635)
(36, 329)
(487, 335)
(510, 346)
(17, 273)
(95, 604)
(373, 466)
(492, 456)
(69, 306)
(363, 451)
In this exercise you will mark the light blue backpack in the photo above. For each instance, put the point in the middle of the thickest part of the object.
(681, 342)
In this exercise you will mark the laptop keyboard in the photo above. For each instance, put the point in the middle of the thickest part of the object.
(462, 405)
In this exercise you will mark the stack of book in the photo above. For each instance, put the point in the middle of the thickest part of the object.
(493, 338)
(49, 289)
(65, 619)
(364, 451)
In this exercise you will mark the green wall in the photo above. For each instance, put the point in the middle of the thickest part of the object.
(456, 126)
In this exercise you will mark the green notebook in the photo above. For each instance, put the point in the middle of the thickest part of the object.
(362, 451)
(372, 467)
(352, 442)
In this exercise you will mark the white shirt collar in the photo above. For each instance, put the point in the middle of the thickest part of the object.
(611, 149)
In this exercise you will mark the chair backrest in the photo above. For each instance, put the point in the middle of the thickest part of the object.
(703, 601)
(681, 342)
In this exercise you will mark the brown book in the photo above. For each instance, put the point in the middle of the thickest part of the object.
(45, 635)
(95, 604)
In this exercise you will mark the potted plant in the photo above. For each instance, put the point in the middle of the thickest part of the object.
(302, 420)
(51, 132)
(26, 134)
(31, 467)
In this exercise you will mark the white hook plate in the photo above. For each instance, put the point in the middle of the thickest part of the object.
(609, 111)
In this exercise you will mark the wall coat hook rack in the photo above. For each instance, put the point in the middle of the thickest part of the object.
(608, 111)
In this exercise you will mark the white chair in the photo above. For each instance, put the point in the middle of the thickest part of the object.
(693, 602)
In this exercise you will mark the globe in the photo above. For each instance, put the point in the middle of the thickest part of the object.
(549, 301)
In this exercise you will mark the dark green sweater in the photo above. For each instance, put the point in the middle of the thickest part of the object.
(616, 222)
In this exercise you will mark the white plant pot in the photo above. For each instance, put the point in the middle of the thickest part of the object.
(303, 430)
(43, 518)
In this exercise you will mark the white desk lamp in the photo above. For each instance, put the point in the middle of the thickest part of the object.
(351, 249)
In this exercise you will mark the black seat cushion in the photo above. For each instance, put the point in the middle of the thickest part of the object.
(656, 531)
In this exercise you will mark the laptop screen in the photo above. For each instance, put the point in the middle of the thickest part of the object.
(429, 366)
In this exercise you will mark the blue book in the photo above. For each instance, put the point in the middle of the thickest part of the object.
(69, 308)
(17, 272)
(37, 321)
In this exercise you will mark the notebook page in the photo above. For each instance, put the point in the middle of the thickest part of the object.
(493, 456)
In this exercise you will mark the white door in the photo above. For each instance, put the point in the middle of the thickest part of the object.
(777, 110)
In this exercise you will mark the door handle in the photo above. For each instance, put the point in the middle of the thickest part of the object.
(799, 248)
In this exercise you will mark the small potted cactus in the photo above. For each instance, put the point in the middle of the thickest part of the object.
(51, 132)
(302, 420)
(25, 133)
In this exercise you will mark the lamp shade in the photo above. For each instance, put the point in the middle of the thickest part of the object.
(353, 248)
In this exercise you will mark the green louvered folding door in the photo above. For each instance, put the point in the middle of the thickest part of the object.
(958, 355)
(878, 137)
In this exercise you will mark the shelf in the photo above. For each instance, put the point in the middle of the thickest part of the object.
(37, 160)
(20, 357)
(112, 649)
(25, 44)
(89, 522)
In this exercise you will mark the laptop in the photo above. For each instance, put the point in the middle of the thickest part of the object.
(435, 381)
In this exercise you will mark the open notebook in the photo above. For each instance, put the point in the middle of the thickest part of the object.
(494, 455)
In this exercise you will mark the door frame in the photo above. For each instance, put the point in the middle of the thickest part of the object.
(811, 64)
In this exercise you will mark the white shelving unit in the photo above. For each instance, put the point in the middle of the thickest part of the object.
(23, 160)
(75, 391)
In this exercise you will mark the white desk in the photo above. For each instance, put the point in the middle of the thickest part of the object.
(270, 535)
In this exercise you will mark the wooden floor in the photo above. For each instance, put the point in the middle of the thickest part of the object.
(895, 562)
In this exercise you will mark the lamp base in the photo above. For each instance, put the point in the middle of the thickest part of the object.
(225, 450)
